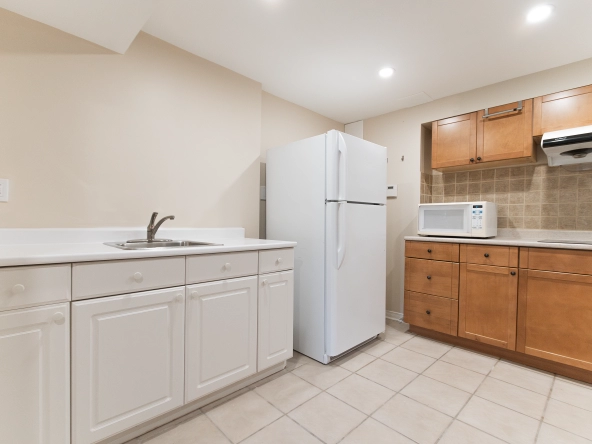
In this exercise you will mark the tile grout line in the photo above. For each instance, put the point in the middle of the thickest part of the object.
(545, 409)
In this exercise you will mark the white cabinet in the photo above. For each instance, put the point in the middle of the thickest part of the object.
(35, 375)
(276, 301)
(221, 335)
(127, 361)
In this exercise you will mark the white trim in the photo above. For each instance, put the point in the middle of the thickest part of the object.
(394, 315)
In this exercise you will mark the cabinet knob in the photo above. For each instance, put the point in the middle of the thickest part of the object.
(429, 277)
(264, 282)
(428, 312)
(278, 261)
(486, 255)
(472, 159)
(513, 273)
(138, 276)
(59, 318)
(227, 266)
(429, 250)
(179, 298)
(194, 295)
(18, 288)
(479, 159)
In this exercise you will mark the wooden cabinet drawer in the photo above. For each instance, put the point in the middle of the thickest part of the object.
(28, 286)
(214, 267)
(271, 261)
(435, 313)
(490, 255)
(564, 261)
(432, 277)
(439, 251)
(96, 279)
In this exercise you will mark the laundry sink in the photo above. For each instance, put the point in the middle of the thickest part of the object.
(158, 244)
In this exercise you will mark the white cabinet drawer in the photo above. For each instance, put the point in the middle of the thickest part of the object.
(271, 261)
(28, 286)
(96, 279)
(215, 267)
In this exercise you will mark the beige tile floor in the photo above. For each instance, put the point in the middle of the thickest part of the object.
(400, 389)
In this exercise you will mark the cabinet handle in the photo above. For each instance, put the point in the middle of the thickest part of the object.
(429, 250)
(18, 288)
(279, 260)
(59, 318)
(429, 277)
(479, 159)
(227, 266)
(264, 282)
(518, 108)
(472, 159)
(486, 255)
(513, 273)
(138, 276)
(179, 298)
(194, 295)
(428, 312)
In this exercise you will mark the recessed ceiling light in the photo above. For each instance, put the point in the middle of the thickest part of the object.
(539, 13)
(386, 72)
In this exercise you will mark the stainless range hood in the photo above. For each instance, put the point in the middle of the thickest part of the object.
(572, 147)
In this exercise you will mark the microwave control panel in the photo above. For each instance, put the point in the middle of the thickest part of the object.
(477, 217)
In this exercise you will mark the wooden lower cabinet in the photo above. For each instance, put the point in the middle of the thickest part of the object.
(488, 301)
(433, 312)
(555, 322)
(437, 278)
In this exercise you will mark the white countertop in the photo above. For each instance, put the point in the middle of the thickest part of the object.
(56, 246)
(520, 238)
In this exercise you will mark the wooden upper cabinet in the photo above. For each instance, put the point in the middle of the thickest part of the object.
(555, 322)
(454, 141)
(505, 132)
(563, 110)
(488, 301)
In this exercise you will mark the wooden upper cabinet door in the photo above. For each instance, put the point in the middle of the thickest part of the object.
(557, 319)
(488, 301)
(507, 135)
(563, 110)
(454, 141)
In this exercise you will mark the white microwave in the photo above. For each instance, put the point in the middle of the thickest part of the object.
(458, 219)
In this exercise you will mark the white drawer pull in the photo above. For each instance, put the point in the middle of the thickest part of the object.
(279, 261)
(59, 318)
(179, 298)
(264, 283)
(138, 276)
(194, 295)
(18, 288)
(227, 266)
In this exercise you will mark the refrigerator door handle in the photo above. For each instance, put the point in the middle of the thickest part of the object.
(342, 149)
(341, 233)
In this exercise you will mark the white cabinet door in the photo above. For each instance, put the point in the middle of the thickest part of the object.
(127, 361)
(276, 311)
(221, 334)
(35, 375)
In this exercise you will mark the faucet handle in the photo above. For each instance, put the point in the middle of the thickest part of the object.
(153, 218)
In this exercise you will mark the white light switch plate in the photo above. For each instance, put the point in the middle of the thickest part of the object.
(3, 190)
(391, 191)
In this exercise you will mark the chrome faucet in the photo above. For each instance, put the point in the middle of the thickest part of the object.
(152, 229)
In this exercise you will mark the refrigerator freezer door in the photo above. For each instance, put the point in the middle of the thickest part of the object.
(355, 288)
(356, 169)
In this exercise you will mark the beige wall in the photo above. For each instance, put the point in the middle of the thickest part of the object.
(93, 138)
(401, 132)
(283, 122)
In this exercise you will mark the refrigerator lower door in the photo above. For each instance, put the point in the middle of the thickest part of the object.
(355, 263)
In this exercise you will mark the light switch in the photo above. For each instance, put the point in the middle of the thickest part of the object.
(391, 191)
(3, 190)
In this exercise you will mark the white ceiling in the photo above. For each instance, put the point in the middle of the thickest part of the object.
(325, 54)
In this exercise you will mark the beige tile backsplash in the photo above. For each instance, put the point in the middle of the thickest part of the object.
(534, 196)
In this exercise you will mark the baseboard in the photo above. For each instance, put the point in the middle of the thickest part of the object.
(395, 316)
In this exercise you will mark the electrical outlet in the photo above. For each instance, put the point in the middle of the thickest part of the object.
(3, 190)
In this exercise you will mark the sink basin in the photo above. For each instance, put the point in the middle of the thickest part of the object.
(560, 241)
(158, 245)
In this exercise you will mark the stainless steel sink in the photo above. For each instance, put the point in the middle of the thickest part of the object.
(159, 244)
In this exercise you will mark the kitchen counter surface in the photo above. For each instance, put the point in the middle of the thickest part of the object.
(521, 238)
(52, 249)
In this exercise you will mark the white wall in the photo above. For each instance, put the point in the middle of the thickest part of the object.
(401, 132)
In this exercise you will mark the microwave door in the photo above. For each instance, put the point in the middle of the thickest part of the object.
(452, 220)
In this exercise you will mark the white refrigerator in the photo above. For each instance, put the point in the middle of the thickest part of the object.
(328, 193)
